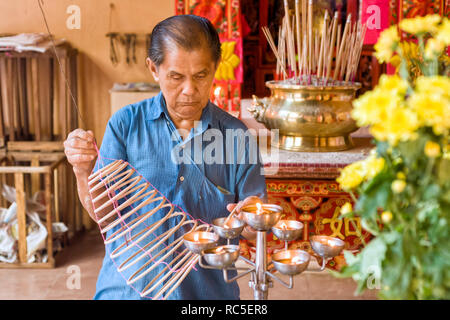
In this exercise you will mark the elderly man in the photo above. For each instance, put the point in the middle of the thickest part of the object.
(151, 134)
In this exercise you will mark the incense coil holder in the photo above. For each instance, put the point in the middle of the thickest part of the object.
(140, 245)
(311, 118)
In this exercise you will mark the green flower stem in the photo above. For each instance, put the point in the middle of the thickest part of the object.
(398, 213)
(428, 172)
(403, 69)
(352, 195)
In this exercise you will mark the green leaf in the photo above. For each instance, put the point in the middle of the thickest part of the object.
(432, 191)
(370, 200)
(365, 223)
(391, 237)
(428, 210)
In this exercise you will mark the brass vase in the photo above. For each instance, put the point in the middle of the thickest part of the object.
(309, 118)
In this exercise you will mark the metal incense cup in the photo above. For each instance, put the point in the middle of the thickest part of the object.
(291, 262)
(288, 230)
(326, 247)
(262, 221)
(198, 241)
(222, 256)
(235, 229)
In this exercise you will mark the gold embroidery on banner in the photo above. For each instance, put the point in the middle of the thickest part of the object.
(333, 221)
(349, 226)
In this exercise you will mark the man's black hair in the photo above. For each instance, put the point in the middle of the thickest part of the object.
(186, 31)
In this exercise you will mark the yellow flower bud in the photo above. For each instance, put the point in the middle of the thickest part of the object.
(395, 60)
(346, 208)
(446, 152)
(386, 217)
(398, 186)
(432, 149)
(401, 176)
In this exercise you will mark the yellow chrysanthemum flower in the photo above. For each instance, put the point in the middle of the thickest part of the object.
(433, 85)
(443, 33)
(401, 124)
(373, 106)
(358, 172)
(373, 166)
(418, 25)
(434, 48)
(431, 102)
(394, 84)
(386, 44)
(385, 111)
(432, 109)
(432, 149)
(351, 176)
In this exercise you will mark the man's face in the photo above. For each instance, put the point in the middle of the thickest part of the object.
(185, 78)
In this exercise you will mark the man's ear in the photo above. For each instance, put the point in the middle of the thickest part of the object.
(153, 69)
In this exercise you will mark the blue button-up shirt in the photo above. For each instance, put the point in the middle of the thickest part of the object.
(201, 183)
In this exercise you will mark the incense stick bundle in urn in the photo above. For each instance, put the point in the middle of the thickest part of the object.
(311, 103)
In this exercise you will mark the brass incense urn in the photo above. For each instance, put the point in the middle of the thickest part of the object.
(311, 118)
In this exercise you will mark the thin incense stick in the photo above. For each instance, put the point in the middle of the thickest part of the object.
(274, 48)
(283, 49)
(278, 51)
(358, 56)
(331, 48)
(316, 51)
(305, 35)
(345, 57)
(298, 38)
(353, 53)
(322, 44)
(289, 38)
(344, 38)
(348, 58)
(291, 23)
(310, 36)
(338, 38)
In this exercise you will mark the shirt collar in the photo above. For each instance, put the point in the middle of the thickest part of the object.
(159, 107)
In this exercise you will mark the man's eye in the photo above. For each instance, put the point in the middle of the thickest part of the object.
(200, 76)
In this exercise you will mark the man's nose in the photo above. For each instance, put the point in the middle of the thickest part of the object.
(189, 88)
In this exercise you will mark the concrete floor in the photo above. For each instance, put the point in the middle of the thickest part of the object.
(87, 253)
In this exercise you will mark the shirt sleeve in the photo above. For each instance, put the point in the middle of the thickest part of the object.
(250, 176)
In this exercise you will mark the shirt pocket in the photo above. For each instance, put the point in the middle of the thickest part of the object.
(213, 200)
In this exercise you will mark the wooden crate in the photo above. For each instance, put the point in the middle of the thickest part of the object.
(32, 166)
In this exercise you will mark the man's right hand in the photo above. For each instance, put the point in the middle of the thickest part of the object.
(80, 151)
